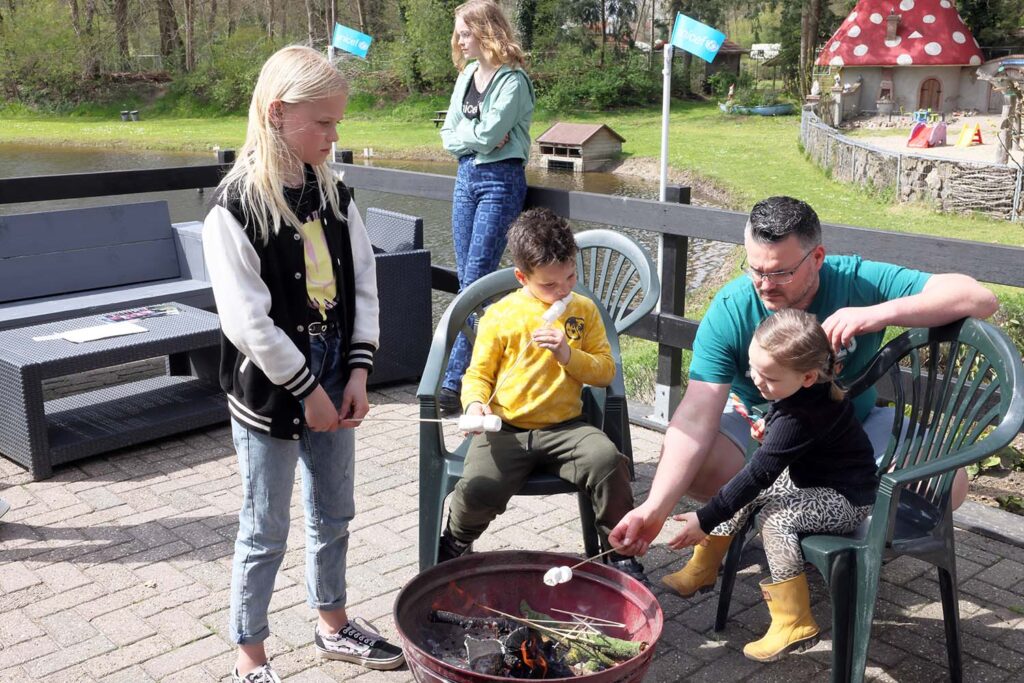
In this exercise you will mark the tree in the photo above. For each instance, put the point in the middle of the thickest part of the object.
(994, 22)
(525, 14)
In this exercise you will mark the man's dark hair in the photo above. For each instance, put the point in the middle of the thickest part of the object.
(539, 237)
(776, 218)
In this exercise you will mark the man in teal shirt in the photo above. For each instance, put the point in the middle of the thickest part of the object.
(786, 265)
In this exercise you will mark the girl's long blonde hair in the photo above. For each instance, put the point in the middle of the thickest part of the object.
(291, 75)
(489, 25)
(795, 340)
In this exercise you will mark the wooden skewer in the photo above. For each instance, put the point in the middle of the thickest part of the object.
(591, 559)
(596, 620)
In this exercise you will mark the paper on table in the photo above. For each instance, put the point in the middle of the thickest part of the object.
(85, 334)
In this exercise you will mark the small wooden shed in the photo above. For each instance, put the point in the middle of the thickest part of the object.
(578, 146)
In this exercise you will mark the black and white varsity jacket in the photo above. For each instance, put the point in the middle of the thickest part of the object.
(260, 291)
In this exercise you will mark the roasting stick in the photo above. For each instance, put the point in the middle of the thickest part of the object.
(591, 559)
(487, 423)
(596, 620)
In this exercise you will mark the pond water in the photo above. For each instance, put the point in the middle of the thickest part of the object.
(186, 205)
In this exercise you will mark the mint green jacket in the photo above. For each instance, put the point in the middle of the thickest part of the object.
(507, 108)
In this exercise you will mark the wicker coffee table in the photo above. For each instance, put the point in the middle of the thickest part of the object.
(40, 434)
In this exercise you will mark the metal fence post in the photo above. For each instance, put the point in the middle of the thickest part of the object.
(667, 381)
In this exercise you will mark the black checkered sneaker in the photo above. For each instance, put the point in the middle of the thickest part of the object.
(359, 643)
(263, 674)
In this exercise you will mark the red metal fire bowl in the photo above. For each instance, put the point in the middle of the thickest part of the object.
(501, 580)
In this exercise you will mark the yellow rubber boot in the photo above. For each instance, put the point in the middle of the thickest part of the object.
(793, 627)
(701, 572)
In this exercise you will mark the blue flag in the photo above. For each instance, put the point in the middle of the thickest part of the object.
(351, 40)
(696, 38)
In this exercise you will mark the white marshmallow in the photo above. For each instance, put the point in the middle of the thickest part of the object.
(551, 577)
(564, 574)
(478, 423)
(556, 310)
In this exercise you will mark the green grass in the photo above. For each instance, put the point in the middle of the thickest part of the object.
(752, 157)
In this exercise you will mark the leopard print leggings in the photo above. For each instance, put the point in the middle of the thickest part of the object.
(785, 511)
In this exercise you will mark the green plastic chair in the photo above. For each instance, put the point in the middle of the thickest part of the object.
(944, 420)
(607, 260)
(622, 277)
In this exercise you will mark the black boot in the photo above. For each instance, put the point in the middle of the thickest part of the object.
(449, 403)
(629, 565)
(450, 547)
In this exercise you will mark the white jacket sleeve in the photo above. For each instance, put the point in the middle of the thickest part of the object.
(243, 300)
(365, 336)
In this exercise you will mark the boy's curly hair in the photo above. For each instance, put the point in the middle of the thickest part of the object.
(540, 237)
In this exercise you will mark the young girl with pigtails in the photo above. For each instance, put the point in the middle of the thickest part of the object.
(293, 276)
(814, 472)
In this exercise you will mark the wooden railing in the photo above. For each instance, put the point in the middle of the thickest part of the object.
(676, 222)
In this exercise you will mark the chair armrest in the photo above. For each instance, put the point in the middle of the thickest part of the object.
(188, 241)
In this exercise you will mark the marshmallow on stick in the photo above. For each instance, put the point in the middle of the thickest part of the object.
(479, 423)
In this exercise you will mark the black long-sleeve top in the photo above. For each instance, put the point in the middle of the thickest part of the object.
(818, 439)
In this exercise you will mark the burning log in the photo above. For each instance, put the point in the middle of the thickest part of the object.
(439, 616)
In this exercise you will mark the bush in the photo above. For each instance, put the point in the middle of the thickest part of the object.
(43, 71)
(1010, 318)
(570, 79)
(223, 83)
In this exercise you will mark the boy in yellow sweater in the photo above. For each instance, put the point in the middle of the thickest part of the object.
(531, 374)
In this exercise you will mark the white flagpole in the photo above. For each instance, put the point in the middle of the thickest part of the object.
(662, 394)
(666, 96)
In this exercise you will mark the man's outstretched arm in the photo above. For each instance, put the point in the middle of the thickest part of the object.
(946, 297)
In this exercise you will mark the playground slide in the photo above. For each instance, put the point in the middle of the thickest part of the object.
(919, 135)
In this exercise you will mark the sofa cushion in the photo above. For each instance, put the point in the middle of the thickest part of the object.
(57, 252)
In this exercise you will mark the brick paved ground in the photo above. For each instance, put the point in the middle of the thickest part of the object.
(117, 569)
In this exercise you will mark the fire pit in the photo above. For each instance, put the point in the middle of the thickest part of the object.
(502, 581)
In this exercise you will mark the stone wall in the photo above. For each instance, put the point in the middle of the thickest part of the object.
(949, 185)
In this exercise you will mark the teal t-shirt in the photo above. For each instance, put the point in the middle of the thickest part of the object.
(720, 347)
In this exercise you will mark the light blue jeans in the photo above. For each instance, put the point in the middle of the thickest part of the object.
(267, 468)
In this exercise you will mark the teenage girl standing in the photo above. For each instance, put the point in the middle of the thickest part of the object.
(293, 277)
(488, 129)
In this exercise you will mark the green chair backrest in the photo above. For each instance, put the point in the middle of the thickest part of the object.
(620, 275)
(953, 387)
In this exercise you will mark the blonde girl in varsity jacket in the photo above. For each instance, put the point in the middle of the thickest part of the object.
(293, 277)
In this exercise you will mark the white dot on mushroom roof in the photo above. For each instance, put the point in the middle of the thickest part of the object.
(929, 18)
(959, 37)
(894, 42)
(834, 46)
(907, 5)
(876, 18)
(904, 60)
(946, 4)
(975, 60)
(933, 48)
(853, 15)
(860, 50)
(836, 61)
(854, 31)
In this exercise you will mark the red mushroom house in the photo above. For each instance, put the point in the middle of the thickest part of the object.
(915, 54)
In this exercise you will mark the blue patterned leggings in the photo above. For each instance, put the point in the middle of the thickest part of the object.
(487, 199)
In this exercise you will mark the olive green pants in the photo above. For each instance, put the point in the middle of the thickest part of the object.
(498, 464)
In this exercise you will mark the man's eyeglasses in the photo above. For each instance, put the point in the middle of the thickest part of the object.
(779, 277)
